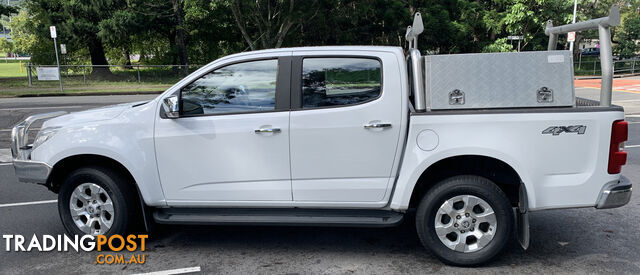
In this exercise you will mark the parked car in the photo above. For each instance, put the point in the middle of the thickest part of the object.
(591, 51)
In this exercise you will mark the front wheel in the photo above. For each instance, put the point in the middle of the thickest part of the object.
(464, 220)
(96, 201)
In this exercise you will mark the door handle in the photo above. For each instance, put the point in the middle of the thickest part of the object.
(268, 130)
(377, 125)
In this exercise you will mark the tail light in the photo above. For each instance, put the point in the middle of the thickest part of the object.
(617, 157)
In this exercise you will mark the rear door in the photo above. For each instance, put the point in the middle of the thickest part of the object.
(345, 127)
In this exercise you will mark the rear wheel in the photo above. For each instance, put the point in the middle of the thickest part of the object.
(96, 201)
(464, 220)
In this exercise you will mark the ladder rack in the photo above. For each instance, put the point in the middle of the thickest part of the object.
(603, 25)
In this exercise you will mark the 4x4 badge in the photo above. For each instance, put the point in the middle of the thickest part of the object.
(556, 130)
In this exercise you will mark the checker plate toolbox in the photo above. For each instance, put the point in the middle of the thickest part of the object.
(499, 80)
(505, 80)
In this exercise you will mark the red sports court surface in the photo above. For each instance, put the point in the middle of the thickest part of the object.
(621, 85)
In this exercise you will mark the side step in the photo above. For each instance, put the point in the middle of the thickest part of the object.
(278, 216)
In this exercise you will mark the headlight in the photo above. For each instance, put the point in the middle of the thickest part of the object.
(44, 135)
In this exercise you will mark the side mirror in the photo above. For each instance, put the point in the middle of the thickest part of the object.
(171, 106)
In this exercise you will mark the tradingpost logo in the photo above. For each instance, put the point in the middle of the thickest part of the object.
(128, 250)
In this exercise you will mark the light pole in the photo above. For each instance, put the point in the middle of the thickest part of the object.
(52, 29)
(575, 8)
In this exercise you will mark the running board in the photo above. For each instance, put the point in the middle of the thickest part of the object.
(278, 216)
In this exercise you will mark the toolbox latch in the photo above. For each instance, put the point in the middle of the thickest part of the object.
(456, 97)
(545, 95)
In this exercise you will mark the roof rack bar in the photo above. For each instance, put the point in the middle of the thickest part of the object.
(603, 25)
(415, 60)
(414, 31)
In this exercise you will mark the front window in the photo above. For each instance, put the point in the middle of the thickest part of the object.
(237, 88)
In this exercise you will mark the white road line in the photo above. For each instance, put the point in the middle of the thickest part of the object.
(5, 155)
(27, 203)
(30, 129)
(631, 146)
(174, 271)
(5, 163)
(40, 108)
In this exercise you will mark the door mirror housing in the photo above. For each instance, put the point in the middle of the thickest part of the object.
(171, 106)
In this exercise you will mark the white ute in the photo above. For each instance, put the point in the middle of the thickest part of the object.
(345, 136)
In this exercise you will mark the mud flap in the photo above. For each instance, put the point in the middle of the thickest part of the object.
(145, 211)
(522, 217)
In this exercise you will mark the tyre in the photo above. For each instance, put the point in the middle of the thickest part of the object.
(96, 201)
(464, 220)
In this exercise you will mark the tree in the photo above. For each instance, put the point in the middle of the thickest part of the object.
(78, 25)
(265, 23)
(24, 40)
(500, 45)
(351, 22)
(628, 37)
(5, 45)
(7, 10)
(180, 30)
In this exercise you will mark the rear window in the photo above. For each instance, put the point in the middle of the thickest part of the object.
(339, 81)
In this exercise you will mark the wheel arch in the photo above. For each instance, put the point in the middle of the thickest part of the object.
(66, 165)
(494, 169)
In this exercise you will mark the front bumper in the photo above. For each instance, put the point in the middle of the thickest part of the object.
(28, 170)
(31, 171)
(615, 194)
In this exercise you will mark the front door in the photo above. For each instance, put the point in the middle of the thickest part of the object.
(231, 141)
(345, 128)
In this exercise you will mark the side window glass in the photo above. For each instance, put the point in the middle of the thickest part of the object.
(242, 87)
(339, 81)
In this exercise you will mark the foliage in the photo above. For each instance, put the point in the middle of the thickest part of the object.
(7, 10)
(628, 37)
(501, 45)
(21, 32)
(198, 31)
(5, 45)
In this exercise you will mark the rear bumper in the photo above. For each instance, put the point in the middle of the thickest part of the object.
(31, 171)
(615, 194)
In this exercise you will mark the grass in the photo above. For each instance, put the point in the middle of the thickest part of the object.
(11, 68)
(18, 87)
(122, 81)
(11, 87)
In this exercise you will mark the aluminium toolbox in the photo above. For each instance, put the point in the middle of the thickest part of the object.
(499, 80)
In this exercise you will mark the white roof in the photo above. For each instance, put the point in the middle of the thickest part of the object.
(321, 48)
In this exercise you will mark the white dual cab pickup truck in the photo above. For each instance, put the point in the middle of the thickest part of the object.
(333, 136)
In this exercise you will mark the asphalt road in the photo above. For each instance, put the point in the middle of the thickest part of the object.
(562, 241)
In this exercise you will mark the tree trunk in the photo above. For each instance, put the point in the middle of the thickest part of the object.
(127, 59)
(96, 50)
(172, 46)
(239, 18)
(182, 48)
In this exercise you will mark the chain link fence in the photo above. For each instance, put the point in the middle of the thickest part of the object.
(31, 79)
(592, 66)
(116, 73)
